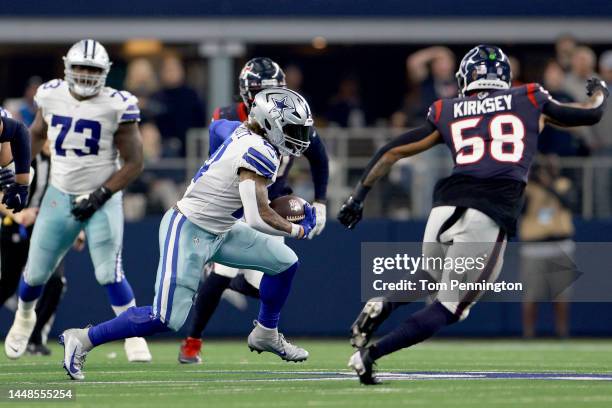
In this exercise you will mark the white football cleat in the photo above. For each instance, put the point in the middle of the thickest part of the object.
(16, 342)
(75, 352)
(270, 340)
(136, 350)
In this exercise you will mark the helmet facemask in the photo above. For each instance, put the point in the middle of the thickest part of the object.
(84, 84)
(290, 139)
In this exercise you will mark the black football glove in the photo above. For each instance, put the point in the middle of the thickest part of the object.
(84, 209)
(16, 197)
(7, 177)
(595, 84)
(351, 212)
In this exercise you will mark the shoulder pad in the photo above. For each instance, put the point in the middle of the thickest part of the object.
(47, 89)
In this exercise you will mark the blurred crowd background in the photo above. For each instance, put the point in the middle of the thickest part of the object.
(369, 70)
(361, 95)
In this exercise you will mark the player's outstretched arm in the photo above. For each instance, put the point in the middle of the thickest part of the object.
(38, 130)
(408, 144)
(129, 145)
(257, 212)
(578, 114)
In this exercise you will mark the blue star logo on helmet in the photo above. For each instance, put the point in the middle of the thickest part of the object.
(280, 105)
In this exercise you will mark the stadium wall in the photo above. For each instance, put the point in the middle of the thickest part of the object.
(326, 292)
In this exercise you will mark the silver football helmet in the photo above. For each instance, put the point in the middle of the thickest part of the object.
(285, 117)
(89, 53)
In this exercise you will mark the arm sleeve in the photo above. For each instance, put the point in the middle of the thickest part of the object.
(251, 210)
(319, 166)
(19, 137)
(219, 131)
(129, 112)
(411, 136)
(261, 160)
(573, 116)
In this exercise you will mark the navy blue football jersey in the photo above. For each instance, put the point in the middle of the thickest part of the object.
(493, 139)
(492, 134)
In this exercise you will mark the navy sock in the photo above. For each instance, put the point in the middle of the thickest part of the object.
(120, 293)
(241, 285)
(28, 293)
(134, 322)
(274, 290)
(418, 327)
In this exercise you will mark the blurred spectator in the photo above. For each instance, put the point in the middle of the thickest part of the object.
(25, 111)
(515, 66)
(603, 145)
(398, 122)
(432, 70)
(603, 130)
(582, 67)
(141, 81)
(345, 108)
(180, 108)
(564, 47)
(555, 140)
(546, 230)
(294, 77)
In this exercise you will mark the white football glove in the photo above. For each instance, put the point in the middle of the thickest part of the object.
(321, 211)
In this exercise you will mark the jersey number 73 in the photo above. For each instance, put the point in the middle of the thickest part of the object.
(80, 126)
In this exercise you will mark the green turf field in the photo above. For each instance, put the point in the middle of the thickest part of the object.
(449, 374)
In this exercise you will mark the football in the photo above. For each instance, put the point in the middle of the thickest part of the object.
(289, 207)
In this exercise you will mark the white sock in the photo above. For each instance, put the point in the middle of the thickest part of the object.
(120, 309)
(267, 329)
(25, 309)
(84, 338)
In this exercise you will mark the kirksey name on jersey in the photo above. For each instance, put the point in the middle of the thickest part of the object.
(81, 134)
(212, 201)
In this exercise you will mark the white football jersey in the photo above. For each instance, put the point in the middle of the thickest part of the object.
(81, 134)
(212, 200)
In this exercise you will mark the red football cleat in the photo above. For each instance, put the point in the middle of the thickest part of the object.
(190, 351)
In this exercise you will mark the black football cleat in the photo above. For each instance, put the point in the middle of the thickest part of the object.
(375, 311)
(363, 365)
(38, 349)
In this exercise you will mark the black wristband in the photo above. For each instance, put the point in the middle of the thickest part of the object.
(105, 194)
(361, 192)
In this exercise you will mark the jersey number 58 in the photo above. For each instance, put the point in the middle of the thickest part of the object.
(507, 132)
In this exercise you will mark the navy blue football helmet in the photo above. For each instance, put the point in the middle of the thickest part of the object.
(257, 74)
(484, 67)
